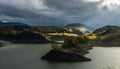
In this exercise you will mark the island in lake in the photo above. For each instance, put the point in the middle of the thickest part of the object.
(68, 43)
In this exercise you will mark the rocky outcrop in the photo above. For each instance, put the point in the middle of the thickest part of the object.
(61, 56)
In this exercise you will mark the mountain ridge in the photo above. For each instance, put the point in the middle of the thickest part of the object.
(108, 29)
(10, 24)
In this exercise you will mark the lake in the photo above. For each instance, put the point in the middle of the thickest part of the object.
(27, 56)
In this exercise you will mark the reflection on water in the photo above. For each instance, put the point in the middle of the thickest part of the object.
(27, 56)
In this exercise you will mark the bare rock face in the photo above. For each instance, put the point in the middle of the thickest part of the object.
(61, 56)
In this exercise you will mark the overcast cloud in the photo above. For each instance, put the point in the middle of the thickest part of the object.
(95, 13)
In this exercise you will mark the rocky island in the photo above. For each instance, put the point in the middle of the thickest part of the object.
(70, 51)
(62, 56)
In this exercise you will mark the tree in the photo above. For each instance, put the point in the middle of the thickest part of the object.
(71, 41)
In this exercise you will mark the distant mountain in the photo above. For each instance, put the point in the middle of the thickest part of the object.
(109, 29)
(10, 24)
(79, 28)
(75, 25)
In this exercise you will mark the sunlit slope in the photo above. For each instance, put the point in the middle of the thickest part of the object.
(78, 28)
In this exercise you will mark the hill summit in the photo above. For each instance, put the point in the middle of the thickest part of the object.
(79, 28)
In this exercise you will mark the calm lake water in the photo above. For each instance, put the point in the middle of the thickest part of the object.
(27, 56)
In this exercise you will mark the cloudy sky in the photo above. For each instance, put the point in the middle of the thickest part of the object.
(95, 13)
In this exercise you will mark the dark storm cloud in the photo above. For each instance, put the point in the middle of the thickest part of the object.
(72, 6)
(9, 13)
(95, 13)
(60, 12)
(77, 10)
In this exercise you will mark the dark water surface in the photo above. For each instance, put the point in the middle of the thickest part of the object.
(27, 56)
